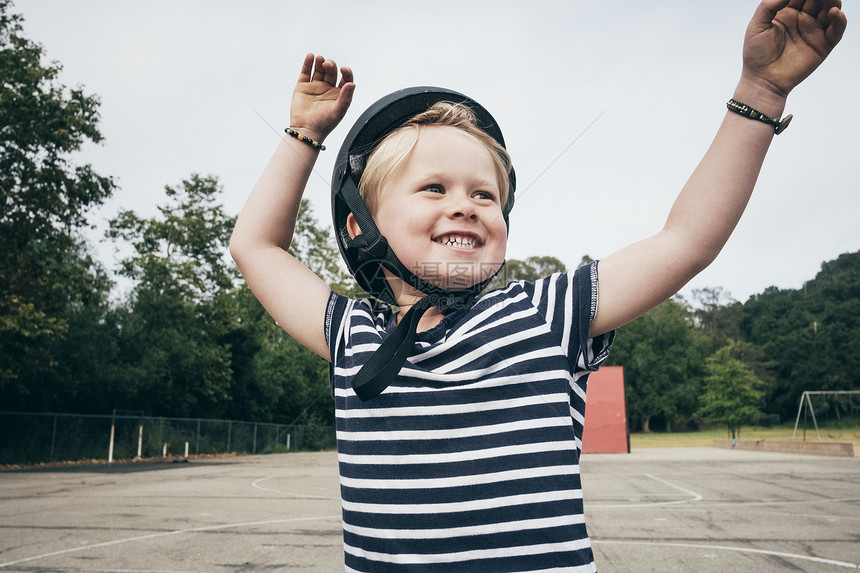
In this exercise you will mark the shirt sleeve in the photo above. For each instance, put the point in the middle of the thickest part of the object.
(335, 318)
(568, 303)
(590, 352)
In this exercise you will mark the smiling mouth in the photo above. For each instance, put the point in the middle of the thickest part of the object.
(461, 241)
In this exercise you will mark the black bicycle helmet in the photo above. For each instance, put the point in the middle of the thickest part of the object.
(364, 254)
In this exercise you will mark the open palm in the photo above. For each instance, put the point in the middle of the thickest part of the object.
(319, 102)
(788, 39)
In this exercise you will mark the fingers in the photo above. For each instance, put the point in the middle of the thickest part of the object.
(319, 69)
(765, 13)
(344, 98)
(307, 67)
(837, 22)
(316, 68)
(767, 10)
(346, 76)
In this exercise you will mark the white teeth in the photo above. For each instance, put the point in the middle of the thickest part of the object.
(455, 241)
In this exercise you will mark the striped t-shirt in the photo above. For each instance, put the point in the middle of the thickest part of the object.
(469, 460)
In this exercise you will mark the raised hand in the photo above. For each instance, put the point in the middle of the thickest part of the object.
(319, 101)
(788, 39)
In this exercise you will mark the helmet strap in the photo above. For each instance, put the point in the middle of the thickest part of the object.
(384, 364)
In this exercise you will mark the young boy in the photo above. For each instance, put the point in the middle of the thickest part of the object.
(459, 416)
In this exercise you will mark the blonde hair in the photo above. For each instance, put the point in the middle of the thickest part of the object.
(391, 151)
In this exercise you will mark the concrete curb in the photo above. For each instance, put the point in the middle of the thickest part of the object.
(838, 449)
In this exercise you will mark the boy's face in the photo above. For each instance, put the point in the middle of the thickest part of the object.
(440, 210)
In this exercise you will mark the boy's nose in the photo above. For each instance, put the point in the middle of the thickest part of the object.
(461, 205)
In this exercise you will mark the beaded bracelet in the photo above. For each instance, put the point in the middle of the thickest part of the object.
(743, 109)
(312, 142)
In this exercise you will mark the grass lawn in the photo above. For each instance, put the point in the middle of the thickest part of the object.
(707, 437)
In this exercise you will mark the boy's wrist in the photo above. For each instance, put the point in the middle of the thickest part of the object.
(760, 96)
(308, 132)
(314, 144)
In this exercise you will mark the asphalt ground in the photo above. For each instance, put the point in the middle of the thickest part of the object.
(669, 510)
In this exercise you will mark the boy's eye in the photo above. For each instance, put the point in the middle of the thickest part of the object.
(487, 195)
(434, 188)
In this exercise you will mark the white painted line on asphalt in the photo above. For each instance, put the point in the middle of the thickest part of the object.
(787, 502)
(693, 495)
(256, 484)
(166, 534)
(739, 508)
(133, 571)
(844, 564)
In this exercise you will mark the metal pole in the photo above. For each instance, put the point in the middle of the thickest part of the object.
(139, 441)
(812, 412)
(797, 421)
(112, 426)
(804, 422)
(53, 437)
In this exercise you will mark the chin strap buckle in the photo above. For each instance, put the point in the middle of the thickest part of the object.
(376, 248)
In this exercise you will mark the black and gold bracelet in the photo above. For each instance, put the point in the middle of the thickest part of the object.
(312, 142)
(743, 109)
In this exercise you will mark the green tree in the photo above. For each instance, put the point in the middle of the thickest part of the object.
(183, 248)
(585, 260)
(275, 379)
(663, 356)
(172, 335)
(47, 274)
(718, 314)
(531, 269)
(195, 339)
(811, 335)
(733, 394)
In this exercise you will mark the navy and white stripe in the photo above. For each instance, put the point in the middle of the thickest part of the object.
(470, 459)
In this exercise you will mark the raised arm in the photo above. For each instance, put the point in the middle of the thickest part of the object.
(785, 41)
(292, 294)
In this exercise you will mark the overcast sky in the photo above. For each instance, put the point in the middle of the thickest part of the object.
(204, 86)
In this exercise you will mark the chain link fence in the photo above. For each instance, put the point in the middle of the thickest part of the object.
(27, 438)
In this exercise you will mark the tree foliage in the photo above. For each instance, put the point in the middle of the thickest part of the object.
(732, 394)
(811, 335)
(663, 356)
(47, 274)
(183, 249)
(198, 341)
(174, 321)
(531, 269)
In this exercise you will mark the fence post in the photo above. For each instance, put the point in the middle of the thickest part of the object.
(255, 439)
(140, 441)
(229, 433)
(197, 445)
(53, 437)
(112, 426)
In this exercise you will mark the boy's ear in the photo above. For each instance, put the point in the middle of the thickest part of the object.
(352, 226)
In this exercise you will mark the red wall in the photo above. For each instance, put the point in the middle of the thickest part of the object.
(605, 428)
